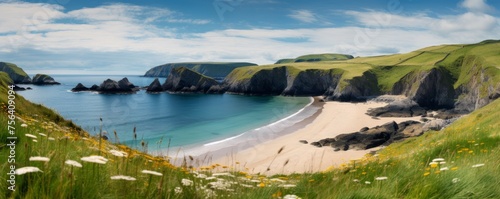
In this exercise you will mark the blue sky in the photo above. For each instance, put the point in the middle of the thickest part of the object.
(129, 37)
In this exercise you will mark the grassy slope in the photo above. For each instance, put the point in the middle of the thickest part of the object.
(473, 139)
(391, 68)
(316, 58)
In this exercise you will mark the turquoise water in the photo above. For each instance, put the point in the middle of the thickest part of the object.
(185, 119)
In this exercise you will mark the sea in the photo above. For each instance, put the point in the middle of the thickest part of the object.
(169, 121)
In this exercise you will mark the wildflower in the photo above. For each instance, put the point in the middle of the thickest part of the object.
(178, 190)
(442, 162)
(152, 172)
(287, 185)
(39, 158)
(73, 163)
(355, 180)
(291, 196)
(381, 178)
(454, 168)
(246, 185)
(42, 134)
(222, 174)
(277, 180)
(367, 182)
(122, 177)
(444, 169)
(438, 160)
(186, 182)
(118, 153)
(455, 180)
(51, 139)
(95, 159)
(262, 185)
(427, 173)
(210, 178)
(35, 140)
(477, 165)
(202, 176)
(30, 135)
(433, 164)
(25, 170)
(24, 125)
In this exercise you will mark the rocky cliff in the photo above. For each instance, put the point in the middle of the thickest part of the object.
(42, 79)
(218, 70)
(182, 79)
(15, 73)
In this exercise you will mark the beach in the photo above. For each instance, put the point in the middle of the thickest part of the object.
(332, 119)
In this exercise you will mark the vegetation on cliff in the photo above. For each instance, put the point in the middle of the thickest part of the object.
(15, 73)
(466, 77)
(316, 58)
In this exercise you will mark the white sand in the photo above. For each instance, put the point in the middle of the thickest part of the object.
(336, 118)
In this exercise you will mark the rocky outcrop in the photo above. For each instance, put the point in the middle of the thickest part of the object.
(15, 73)
(356, 89)
(110, 86)
(79, 87)
(43, 79)
(155, 86)
(430, 89)
(479, 90)
(399, 108)
(264, 82)
(186, 80)
(217, 70)
(312, 82)
(373, 137)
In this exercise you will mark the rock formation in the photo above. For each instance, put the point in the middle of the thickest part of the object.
(182, 79)
(216, 70)
(155, 86)
(110, 86)
(79, 87)
(42, 79)
(15, 73)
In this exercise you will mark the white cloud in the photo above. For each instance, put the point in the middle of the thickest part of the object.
(305, 16)
(476, 6)
(17, 16)
(118, 36)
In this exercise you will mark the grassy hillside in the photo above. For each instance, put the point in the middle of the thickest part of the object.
(461, 61)
(469, 147)
(316, 58)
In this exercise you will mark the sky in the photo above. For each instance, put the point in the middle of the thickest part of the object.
(130, 37)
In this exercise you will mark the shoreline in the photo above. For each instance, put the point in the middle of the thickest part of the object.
(204, 153)
(330, 120)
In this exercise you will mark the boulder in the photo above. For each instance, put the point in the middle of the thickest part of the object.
(399, 108)
(43, 79)
(155, 86)
(303, 141)
(79, 87)
(94, 87)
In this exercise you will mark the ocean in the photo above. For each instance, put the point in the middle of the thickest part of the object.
(167, 120)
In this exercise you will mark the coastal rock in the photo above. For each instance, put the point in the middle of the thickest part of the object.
(15, 73)
(430, 89)
(94, 87)
(373, 137)
(311, 82)
(79, 87)
(186, 80)
(263, 82)
(155, 86)
(356, 89)
(399, 108)
(303, 141)
(122, 86)
(43, 79)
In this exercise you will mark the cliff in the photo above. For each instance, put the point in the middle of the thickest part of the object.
(218, 70)
(42, 79)
(183, 79)
(463, 77)
(15, 73)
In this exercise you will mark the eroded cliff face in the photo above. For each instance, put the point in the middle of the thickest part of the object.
(312, 82)
(356, 89)
(263, 82)
(480, 90)
(430, 89)
(15, 73)
(186, 80)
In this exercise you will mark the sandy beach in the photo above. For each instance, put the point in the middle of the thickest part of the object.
(333, 119)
